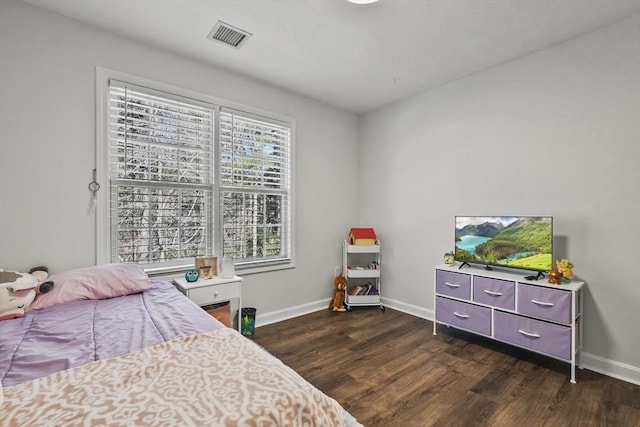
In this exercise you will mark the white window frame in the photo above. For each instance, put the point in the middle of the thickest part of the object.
(103, 204)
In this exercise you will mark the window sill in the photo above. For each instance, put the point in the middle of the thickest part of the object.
(170, 273)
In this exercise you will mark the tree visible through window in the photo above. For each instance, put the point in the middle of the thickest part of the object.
(166, 205)
(254, 164)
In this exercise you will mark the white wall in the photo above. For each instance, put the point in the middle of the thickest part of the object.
(554, 133)
(47, 150)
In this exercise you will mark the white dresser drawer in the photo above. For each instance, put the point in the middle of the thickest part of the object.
(214, 293)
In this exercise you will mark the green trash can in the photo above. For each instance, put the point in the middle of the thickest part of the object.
(248, 319)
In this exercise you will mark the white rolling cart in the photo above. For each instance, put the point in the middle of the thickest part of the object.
(361, 268)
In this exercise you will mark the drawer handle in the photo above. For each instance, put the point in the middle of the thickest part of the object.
(529, 334)
(462, 316)
(215, 294)
(452, 285)
(493, 293)
(546, 304)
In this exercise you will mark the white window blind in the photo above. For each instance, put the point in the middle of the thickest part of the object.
(255, 186)
(188, 178)
(161, 175)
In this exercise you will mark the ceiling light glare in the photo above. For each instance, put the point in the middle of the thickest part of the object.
(362, 1)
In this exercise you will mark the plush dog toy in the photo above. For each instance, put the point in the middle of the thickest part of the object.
(337, 302)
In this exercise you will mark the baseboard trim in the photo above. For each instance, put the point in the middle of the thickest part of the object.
(263, 319)
(611, 368)
(414, 310)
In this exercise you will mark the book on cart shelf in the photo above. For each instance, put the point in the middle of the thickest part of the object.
(366, 289)
(362, 236)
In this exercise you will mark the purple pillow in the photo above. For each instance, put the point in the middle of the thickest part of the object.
(97, 282)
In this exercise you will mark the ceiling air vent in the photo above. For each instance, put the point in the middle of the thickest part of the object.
(228, 34)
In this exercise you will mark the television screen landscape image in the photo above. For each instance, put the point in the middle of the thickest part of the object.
(520, 242)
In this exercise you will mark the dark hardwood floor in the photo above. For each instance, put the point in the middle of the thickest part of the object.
(388, 369)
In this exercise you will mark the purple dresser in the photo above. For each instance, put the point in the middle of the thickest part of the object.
(507, 307)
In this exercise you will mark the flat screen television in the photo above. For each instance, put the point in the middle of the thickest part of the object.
(519, 242)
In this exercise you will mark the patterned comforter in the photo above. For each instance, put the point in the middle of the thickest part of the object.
(213, 378)
(147, 359)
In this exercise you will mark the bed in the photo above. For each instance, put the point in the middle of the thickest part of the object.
(143, 355)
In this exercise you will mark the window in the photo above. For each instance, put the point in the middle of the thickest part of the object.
(254, 165)
(189, 177)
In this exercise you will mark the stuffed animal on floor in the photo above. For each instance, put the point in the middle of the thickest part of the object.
(337, 302)
(18, 290)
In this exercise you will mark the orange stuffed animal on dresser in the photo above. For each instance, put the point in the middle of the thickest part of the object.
(555, 276)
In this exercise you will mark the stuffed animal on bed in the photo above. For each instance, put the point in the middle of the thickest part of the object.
(18, 290)
(337, 303)
(41, 273)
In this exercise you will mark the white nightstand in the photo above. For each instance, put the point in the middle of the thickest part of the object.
(211, 291)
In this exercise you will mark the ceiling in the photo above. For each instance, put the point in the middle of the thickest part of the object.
(357, 57)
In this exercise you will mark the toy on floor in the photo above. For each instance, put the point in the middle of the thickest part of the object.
(337, 303)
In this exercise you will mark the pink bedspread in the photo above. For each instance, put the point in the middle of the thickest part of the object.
(76, 333)
(217, 378)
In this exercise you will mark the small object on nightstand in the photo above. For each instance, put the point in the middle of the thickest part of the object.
(207, 267)
(191, 275)
(228, 268)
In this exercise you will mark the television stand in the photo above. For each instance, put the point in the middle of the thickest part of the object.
(488, 268)
(533, 315)
(538, 276)
(463, 264)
